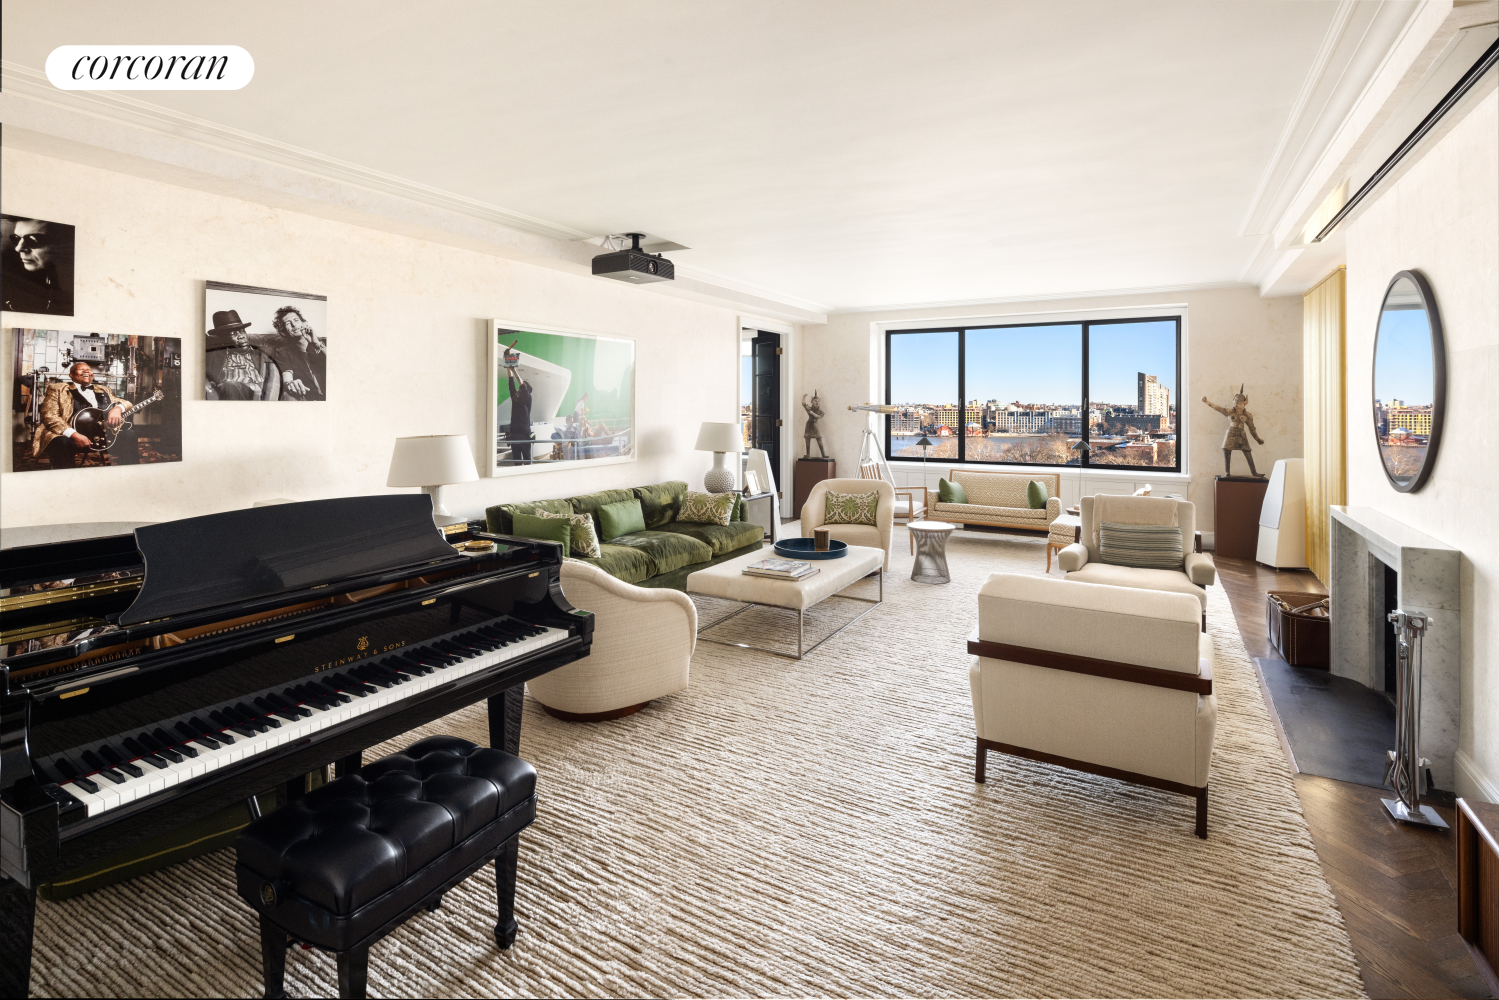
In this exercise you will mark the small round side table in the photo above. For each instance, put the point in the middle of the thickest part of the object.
(931, 551)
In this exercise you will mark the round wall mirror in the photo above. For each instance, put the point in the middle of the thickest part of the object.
(1410, 381)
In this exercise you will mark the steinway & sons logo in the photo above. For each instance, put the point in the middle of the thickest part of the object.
(365, 651)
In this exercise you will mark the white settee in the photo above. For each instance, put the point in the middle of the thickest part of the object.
(643, 639)
(998, 499)
(1114, 681)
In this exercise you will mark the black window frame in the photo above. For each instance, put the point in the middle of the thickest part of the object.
(1086, 430)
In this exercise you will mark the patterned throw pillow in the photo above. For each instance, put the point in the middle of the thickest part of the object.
(707, 508)
(1145, 546)
(585, 541)
(850, 508)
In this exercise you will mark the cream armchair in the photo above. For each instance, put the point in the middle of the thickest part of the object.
(1081, 562)
(876, 536)
(1114, 681)
(643, 639)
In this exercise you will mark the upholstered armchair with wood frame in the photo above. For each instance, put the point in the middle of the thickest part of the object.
(1083, 561)
(875, 536)
(643, 640)
(1114, 681)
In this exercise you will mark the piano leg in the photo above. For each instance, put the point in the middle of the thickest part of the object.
(504, 884)
(348, 765)
(17, 918)
(504, 719)
(353, 972)
(273, 959)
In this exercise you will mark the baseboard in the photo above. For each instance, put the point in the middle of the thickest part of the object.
(1473, 783)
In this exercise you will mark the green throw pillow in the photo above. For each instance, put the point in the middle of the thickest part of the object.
(585, 541)
(546, 529)
(1145, 546)
(707, 508)
(850, 508)
(1035, 495)
(621, 518)
(950, 492)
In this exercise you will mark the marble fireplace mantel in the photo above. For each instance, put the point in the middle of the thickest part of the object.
(1363, 541)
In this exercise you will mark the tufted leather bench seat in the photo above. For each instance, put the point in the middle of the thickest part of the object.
(346, 864)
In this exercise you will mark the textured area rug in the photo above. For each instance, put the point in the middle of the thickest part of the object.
(812, 827)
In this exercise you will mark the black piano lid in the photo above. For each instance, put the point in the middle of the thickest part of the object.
(240, 555)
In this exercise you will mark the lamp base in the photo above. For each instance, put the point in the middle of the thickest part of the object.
(439, 508)
(720, 478)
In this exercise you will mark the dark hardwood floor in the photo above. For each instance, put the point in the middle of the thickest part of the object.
(1395, 884)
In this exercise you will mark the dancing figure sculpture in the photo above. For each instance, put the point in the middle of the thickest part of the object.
(812, 431)
(1239, 420)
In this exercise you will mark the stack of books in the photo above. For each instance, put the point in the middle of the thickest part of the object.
(780, 569)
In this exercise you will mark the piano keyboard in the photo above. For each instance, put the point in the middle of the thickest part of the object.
(121, 770)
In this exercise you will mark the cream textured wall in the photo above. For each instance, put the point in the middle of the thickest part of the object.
(407, 353)
(1442, 219)
(1232, 336)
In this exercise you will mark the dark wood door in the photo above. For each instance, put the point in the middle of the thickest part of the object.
(765, 425)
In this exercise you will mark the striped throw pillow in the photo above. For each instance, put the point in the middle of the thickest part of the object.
(1145, 546)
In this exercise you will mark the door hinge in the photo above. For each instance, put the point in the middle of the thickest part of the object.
(780, 350)
(778, 421)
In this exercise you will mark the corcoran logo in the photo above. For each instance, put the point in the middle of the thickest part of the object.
(363, 643)
(149, 67)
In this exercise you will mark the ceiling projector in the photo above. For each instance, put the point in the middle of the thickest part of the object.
(634, 264)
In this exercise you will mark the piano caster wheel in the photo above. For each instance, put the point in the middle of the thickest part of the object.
(435, 905)
(504, 936)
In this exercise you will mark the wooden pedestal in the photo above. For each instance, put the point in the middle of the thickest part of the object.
(809, 472)
(1478, 884)
(1236, 516)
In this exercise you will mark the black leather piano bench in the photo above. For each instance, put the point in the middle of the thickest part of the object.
(346, 864)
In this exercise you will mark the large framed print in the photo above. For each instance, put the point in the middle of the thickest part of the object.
(91, 400)
(264, 345)
(562, 398)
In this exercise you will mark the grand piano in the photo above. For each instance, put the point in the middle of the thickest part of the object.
(153, 678)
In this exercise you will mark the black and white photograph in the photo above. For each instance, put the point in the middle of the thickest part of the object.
(264, 344)
(86, 400)
(36, 266)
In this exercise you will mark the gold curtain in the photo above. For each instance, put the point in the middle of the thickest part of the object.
(1324, 418)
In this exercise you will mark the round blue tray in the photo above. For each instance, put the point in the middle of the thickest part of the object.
(802, 548)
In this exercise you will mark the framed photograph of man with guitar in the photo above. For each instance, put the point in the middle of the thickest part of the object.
(85, 400)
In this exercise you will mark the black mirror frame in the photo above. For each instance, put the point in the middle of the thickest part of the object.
(1438, 380)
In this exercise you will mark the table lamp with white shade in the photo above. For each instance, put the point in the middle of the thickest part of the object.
(432, 461)
(721, 439)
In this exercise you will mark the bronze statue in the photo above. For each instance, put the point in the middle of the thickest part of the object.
(1239, 419)
(812, 431)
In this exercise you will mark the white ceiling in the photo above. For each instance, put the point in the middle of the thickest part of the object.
(844, 152)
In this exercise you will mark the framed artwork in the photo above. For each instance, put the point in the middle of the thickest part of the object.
(751, 483)
(36, 266)
(264, 345)
(562, 398)
(87, 400)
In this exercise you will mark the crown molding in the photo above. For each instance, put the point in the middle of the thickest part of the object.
(23, 81)
(751, 289)
(1204, 286)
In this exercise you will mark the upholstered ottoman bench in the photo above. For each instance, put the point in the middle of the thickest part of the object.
(346, 864)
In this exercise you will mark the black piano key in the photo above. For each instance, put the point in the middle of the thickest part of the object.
(65, 767)
(113, 775)
(211, 742)
(163, 739)
(110, 754)
(184, 750)
(86, 784)
(93, 760)
(130, 769)
(155, 761)
(171, 754)
(134, 746)
(149, 741)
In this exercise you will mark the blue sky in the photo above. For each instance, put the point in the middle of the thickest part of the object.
(1033, 364)
(1402, 368)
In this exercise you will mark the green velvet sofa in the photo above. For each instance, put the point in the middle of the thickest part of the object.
(665, 552)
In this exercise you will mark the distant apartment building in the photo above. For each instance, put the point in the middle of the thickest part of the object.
(1411, 419)
(1152, 396)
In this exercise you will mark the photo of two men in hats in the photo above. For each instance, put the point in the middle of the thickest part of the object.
(263, 345)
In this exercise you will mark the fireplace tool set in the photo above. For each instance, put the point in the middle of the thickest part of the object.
(1406, 772)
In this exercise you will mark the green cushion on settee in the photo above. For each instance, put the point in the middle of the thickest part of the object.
(660, 503)
(721, 537)
(500, 518)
